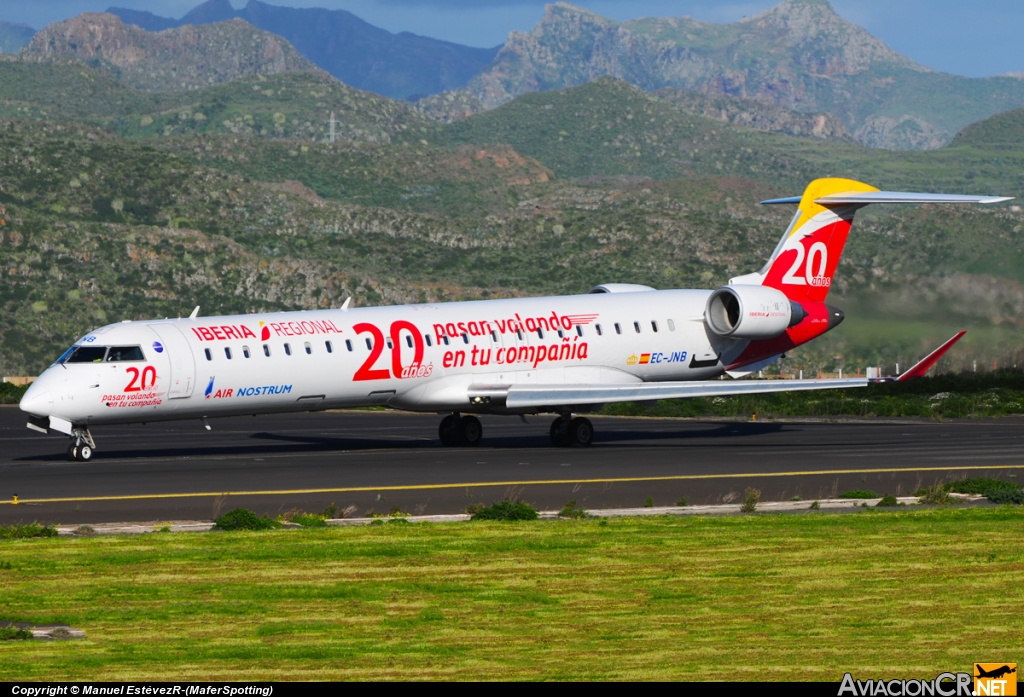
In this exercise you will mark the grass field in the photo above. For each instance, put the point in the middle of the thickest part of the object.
(798, 597)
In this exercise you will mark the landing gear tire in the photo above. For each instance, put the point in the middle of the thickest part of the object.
(449, 431)
(470, 431)
(560, 432)
(80, 452)
(581, 432)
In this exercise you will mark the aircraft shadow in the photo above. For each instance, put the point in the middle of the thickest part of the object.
(274, 444)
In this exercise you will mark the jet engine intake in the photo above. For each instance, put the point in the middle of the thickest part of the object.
(751, 312)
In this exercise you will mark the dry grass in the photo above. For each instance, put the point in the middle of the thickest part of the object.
(799, 597)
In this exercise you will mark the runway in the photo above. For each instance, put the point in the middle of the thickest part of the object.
(377, 461)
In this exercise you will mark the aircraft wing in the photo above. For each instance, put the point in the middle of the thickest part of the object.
(528, 396)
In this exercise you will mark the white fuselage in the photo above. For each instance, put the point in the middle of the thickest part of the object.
(414, 357)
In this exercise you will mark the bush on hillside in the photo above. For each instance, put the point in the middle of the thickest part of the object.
(1014, 496)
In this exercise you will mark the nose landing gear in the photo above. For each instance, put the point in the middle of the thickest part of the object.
(567, 431)
(460, 430)
(82, 445)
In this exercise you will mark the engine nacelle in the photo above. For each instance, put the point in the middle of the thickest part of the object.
(751, 312)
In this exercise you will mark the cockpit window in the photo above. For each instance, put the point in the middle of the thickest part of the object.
(87, 354)
(124, 353)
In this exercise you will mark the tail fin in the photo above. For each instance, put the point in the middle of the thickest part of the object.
(806, 258)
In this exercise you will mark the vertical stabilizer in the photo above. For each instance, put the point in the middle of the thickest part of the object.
(805, 260)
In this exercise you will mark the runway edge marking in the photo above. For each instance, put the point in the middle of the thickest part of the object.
(535, 482)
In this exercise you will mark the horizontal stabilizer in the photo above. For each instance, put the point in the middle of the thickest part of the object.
(866, 197)
(528, 396)
(922, 366)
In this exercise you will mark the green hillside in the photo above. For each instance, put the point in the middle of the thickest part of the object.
(551, 193)
(291, 105)
(1000, 133)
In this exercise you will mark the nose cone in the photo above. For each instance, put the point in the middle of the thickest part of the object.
(38, 400)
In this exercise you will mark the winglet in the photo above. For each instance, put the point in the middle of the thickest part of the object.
(195, 313)
(344, 308)
(922, 366)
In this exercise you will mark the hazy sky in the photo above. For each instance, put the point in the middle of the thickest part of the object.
(959, 37)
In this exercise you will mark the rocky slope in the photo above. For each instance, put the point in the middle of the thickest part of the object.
(752, 113)
(400, 66)
(799, 55)
(184, 58)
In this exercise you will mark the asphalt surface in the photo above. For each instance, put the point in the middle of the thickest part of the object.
(379, 460)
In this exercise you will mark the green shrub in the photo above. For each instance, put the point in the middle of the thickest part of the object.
(571, 510)
(11, 394)
(681, 502)
(507, 510)
(649, 503)
(474, 508)
(10, 532)
(815, 506)
(859, 494)
(244, 519)
(309, 520)
(887, 500)
(330, 512)
(14, 634)
(751, 497)
(982, 486)
(1015, 496)
(936, 495)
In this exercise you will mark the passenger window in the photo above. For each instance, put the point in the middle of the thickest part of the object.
(369, 344)
(654, 326)
(327, 345)
(388, 342)
(245, 351)
(560, 334)
(266, 350)
(408, 340)
(445, 338)
(519, 333)
(209, 356)
(540, 333)
(426, 337)
(579, 330)
(671, 326)
(348, 344)
(288, 349)
(124, 353)
(227, 353)
(465, 338)
(636, 326)
(309, 349)
(494, 336)
(618, 329)
(598, 328)
(88, 354)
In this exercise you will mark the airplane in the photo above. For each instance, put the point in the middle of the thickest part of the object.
(561, 355)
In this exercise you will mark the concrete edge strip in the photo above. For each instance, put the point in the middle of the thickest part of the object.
(715, 509)
(477, 485)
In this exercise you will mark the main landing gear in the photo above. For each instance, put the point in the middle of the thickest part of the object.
(567, 431)
(82, 445)
(460, 430)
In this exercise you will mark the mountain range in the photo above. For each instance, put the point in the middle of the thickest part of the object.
(401, 66)
(800, 55)
(14, 36)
